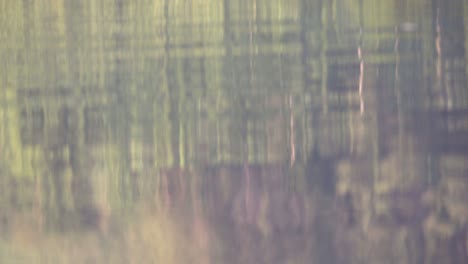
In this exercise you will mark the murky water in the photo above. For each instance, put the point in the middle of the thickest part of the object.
(252, 131)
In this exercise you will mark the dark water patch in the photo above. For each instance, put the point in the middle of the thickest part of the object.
(320, 173)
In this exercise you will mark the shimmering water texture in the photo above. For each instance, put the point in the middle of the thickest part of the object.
(234, 132)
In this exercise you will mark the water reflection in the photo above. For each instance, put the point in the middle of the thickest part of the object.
(233, 132)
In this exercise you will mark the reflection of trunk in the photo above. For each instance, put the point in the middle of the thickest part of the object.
(175, 91)
(172, 188)
(416, 246)
(201, 232)
(320, 173)
(323, 231)
(247, 202)
(91, 189)
(320, 176)
(263, 203)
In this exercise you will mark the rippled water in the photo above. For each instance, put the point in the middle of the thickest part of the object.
(251, 131)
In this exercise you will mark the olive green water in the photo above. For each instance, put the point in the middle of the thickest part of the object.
(248, 131)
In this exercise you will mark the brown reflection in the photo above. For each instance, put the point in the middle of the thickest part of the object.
(264, 201)
(172, 187)
(257, 219)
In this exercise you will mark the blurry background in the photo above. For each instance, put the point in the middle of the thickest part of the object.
(247, 131)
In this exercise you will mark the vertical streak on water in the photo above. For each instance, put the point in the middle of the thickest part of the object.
(227, 29)
(305, 64)
(252, 46)
(172, 90)
(247, 203)
(361, 60)
(304, 44)
(438, 44)
(323, 58)
(398, 91)
(229, 73)
(27, 21)
(73, 11)
(291, 132)
(361, 74)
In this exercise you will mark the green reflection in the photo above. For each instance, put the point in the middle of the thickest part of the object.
(233, 131)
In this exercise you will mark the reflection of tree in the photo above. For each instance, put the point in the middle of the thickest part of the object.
(156, 87)
(257, 213)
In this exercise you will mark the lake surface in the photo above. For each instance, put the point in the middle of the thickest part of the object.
(249, 131)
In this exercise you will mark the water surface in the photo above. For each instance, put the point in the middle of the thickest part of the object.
(251, 131)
